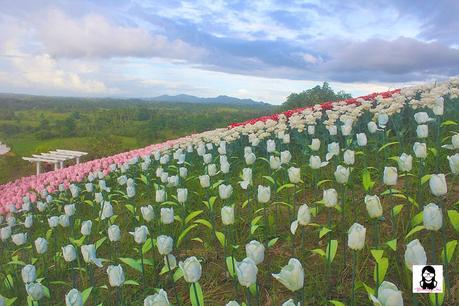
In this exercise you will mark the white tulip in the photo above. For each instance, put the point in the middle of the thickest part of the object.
(285, 157)
(69, 253)
(422, 131)
(290, 302)
(373, 205)
(250, 158)
(64, 220)
(89, 187)
(86, 227)
(140, 234)
(115, 275)
(315, 162)
(270, 145)
(421, 117)
(29, 274)
(438, 185)
(291, 275)
(35, 290)
(415, 254)
(264, 194)
(342, 174)
(182, 195)
(346, 129)
(204, 180)
(349, 157)
(164, 244)
(225, 167)
(246, 271)
(432, 217)
(114, 233)
(311, 129)
(5, 233)
(438, 107)
(212, 169)
(333, 148)
(74, 298)
(191, 269)
(303, 218)
(19, 239)
(167, 215)
(2, 301)
(69, 209)
(332, 130)
(255, 251)
(183, 172)
(362, 139)
(315, 144)
(405, 162)
(388, 295)
(454, 163)
(247, 150)
(225, 191)
(41, 206)
(356, 237)
(28, 222)
(107, 210)
(286, 138)
(41, 245)
(247, 175)
(330, 197)
(390, 176)
(89, 254)
(372, 127)
(274, 162)
(53, 221)
(294, 175)
(455, 141)
(227, 214)
(383, 119)
(157, 299)
(232, 303)
(160, 196)
(207, 158)
(420, 150)
(172, 261)
(148, 213)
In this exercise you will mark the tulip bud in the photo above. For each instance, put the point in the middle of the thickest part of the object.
(250, 158)
(349, 157)
(74, 298)
(183, 172)
(388, 295)
(372, 127)
(420, 150)
(264, 194)
(432, 217)
(330, 197)
(164, 244)
(5, 233)
(140, 234)
(405, 163)
(114, 233)
(157, 299)
(148, 213)
(246, 271)
(438, 107)
(438, 185)
(107, 210)
(225, 191)
(191, 269)
(69, 209)
(294, 175)
(274, 162)
(53, 221)
(285, 157)
(28, 222)
(255, 251)
(167, 215)
(290, 302)
(342, 174)
(332, 130)
(115, 275)
(29, 274)
(373, 205)
(390, 176)
(69, 253)
(362, 139)
(160, 196)
(454, 163)
(212, 170)
(19, 239)
(227, 213)
(35, 290)
(356, 237)
(225, 167)
(315, 144)
(270, 145)
(415, 254)
(232, 303)
(291, 275)
(383, 119)
(422, 131)
(311, 129)
(86, 227)
(41, 245)
(89, 254)
(247, 175)
(455, 141)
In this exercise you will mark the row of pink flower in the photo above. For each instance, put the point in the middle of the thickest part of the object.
(12, 193)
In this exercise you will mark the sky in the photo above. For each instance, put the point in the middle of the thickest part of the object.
(264, 49)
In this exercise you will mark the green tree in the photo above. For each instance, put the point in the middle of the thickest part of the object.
(312, 96)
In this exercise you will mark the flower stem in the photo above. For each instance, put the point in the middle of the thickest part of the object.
(177, 300)
(196, 294)
(354, 259)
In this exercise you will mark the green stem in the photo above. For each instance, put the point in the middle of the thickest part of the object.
(171, 275)
(196, 294)
(354, 259)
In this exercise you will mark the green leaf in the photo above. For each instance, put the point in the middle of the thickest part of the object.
(272, 242)
(256, 220)
(196, 296)
(147, 245)
(203, 222)
(184, 233)
(368, 289)
(131, 262)
(320, 183)
(450, 248)
(433, 150)
(46, 291)
(425, 179)
(387, 145)
(414, 230)
(377, 254)
(392, 244)
(216, 184)
(11, 301)
(131, 282)
(253, 228)
(130, 207)
(192, 215)
(85, 294)
(229, 265)
(337, 303)
(397, 209)
(285, 186)
(404, 196)
(100, 242)
(454, 219)
(269, 179)
(144, 179)
(367, 183)
(382, 266)
(440, 298)
(178, 275)
(332, 247)
(324, 231)
(417, 219)
(319, 251)
(448, 122)
(221, 238)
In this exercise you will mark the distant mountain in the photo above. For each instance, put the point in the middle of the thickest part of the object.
(216, 100)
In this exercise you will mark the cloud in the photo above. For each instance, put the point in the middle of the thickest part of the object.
(93, 35)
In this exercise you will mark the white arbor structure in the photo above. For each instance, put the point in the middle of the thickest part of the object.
(57, 158)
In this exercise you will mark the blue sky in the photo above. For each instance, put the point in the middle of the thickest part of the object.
(261, 49)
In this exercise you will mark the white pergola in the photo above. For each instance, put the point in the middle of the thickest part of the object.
(57, 158)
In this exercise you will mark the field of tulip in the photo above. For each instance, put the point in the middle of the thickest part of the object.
(327, 205)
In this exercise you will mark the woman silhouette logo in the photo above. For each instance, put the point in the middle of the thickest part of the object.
(428, 278)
